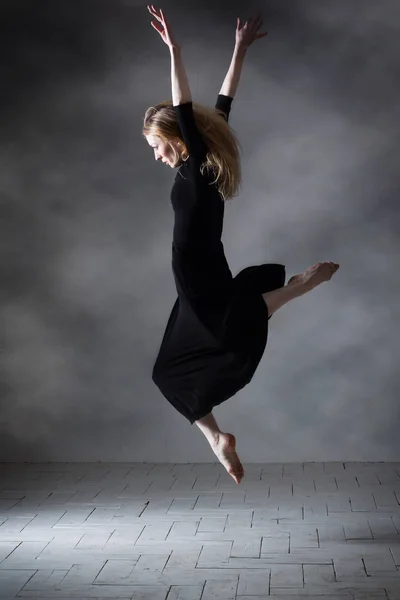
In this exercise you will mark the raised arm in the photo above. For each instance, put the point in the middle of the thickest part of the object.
(245, 36)
(232, 77)
(180, 86)
(179, 81)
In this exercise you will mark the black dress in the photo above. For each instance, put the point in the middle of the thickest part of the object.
(218, 328)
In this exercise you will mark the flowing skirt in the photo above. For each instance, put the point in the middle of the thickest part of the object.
(216, 333)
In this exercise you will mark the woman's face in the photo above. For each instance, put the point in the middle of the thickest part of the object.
(163, 150)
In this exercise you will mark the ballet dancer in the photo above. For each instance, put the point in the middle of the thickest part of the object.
(218, 327)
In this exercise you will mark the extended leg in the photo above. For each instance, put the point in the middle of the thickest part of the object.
(278, 298)
(223, 445)
(299, 285)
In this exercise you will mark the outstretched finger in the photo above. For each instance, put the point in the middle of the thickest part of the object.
(257, 22)
(153, 11)
(164, 20)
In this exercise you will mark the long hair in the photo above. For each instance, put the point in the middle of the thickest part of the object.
(223, 156)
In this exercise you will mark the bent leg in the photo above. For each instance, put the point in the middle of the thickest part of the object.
(278, 298)
(299, 285)
(223, 446)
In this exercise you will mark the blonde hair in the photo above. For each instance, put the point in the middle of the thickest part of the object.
(223, 156)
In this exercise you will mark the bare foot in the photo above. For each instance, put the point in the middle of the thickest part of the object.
(314, 275)
(225, 451)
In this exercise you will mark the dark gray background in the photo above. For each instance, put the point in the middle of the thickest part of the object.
(86, 221)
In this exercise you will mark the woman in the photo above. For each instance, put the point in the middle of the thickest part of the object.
(218, 327)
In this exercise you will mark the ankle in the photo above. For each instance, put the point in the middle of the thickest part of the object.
(210, 429)
(214, 438)
(297, 288)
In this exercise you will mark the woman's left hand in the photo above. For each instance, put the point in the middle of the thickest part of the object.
(247, 33)
(162, 27)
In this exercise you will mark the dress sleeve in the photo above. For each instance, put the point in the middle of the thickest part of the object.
(190, 134)
(224, 105)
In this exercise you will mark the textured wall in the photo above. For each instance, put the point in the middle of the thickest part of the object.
(86, 227)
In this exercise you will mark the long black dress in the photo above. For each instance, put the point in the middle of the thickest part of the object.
(218, 328)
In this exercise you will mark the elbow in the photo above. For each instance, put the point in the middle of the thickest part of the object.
(181, 98)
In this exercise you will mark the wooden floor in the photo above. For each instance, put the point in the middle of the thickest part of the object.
(188, 532)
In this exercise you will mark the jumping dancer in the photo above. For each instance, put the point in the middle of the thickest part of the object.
(218, 328)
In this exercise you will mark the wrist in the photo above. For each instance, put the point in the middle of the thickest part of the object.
(240, 50)
(175, 49)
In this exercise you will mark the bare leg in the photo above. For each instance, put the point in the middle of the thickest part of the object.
(299, 285)
(223, 445)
